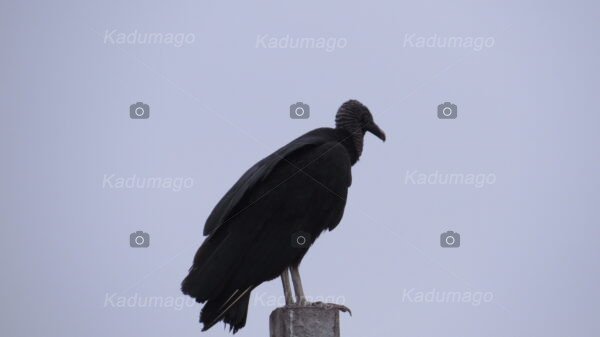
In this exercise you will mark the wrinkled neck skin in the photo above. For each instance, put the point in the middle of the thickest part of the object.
(353, 141)
(358, 138)
(349, 122)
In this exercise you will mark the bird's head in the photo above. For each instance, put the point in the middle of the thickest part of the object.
(356, 118)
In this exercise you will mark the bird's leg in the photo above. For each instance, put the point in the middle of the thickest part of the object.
(287, 291)
(300, 298)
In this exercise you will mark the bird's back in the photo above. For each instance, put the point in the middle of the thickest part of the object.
(298, 149)
(300, 188)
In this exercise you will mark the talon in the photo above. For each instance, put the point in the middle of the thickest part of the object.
(339, 307)
(342, 308)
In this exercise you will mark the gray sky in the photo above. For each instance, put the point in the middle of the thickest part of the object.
(219, 78)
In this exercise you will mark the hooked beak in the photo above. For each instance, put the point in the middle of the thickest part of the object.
(376, 130)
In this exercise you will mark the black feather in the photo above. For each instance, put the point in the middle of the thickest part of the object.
(302, 187)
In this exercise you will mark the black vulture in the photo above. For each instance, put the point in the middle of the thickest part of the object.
(266, 222)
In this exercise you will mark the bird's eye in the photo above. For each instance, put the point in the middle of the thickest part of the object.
(366, 119)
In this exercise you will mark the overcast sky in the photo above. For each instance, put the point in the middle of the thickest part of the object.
(515, 174)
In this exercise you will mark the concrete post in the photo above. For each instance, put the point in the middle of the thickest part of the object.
(299, 321)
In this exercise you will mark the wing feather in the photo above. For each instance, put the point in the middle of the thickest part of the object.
(254, 175)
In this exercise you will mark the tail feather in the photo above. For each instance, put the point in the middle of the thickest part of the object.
(211, 280)
(213, 263)
(232, 310)
(236, 316)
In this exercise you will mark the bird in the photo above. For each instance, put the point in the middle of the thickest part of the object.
(264, 225)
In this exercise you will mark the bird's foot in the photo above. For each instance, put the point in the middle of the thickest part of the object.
(305, 303)
(339, 307)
